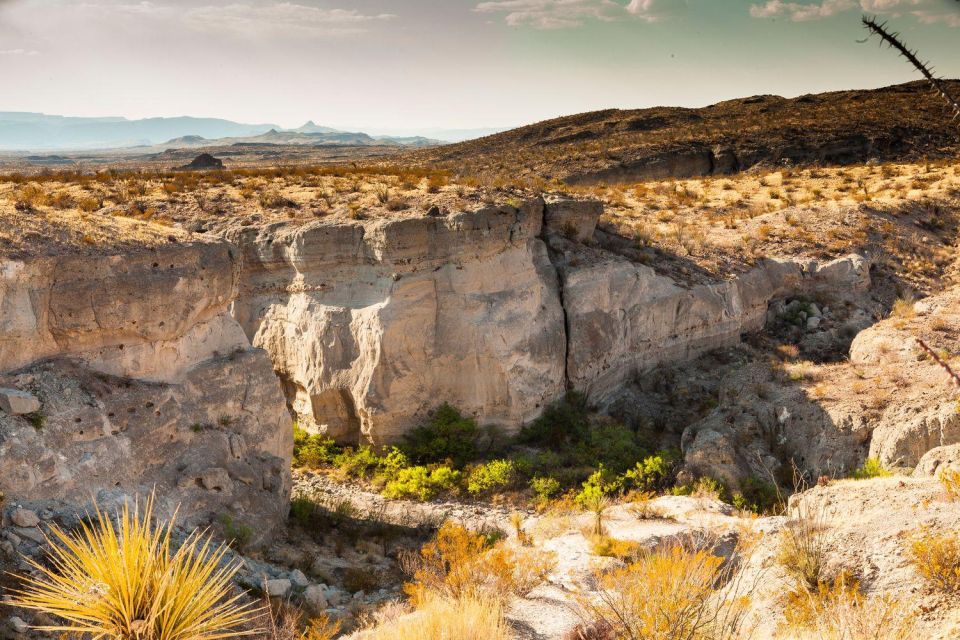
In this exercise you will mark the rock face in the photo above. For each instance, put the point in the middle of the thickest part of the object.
(143, 379)
(497, 311)
(371, 326)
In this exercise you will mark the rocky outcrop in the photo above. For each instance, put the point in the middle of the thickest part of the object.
(143, 380)
(372, 325)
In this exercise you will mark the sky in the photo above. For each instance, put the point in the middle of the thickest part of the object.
(393, 66)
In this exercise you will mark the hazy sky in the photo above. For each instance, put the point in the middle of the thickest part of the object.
(404, 64)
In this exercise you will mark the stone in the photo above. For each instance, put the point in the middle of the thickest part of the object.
(18, 403)
(277, 588)
(315, 598)
(17, 625)
(574, 219)
(813, 322)
(24, 517)
(216, 479)
(31, 533)
(298, 579)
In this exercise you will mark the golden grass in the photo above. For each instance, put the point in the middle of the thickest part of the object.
(438, 618)
(125, 581)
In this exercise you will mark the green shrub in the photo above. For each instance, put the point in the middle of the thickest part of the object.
(359, 462)
(564, 422)
(871, 468)
(614, 445)
(653, 473)
(593, 497)
(422, 483)
(496, 474)
(393, 463)
(545, 487)
(311, 450)
(448, 436)
(758, 496)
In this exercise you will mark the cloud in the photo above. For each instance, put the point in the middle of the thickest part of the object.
(19, 52)
(926, 11)
(561, 14)
(280, 18)
(799, 12)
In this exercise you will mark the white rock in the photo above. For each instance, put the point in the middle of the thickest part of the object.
(18, 625)
(315, 598)
(24, 518)
(277, 588)
(298, 578)
(18, 403)
(813, 322)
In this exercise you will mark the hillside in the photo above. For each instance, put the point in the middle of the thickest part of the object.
(892, 123)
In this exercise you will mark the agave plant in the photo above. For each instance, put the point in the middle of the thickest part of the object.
(125, 581)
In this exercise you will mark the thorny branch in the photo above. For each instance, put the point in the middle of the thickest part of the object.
(940, 361)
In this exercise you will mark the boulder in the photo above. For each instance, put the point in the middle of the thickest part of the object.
(574, 219)
(18, 403)
(278, 588)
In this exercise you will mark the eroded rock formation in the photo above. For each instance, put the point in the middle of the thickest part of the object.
(144, 380)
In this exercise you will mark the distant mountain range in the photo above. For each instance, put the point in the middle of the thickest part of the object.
(22, 131)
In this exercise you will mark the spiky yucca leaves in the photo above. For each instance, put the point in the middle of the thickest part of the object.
(125, 581)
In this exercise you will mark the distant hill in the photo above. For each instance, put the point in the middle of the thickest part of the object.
(25, 131)
(21, 131)
(898, 122)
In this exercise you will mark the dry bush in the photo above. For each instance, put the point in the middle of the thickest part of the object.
(460, 564)
(127, 580)
(286, 622)
(439, 618)
(950, 480)
(609, 547)
(804, 545)
(936, 557)
(841, 612)
(677, 593)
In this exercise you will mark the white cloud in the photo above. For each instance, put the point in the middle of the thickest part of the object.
(799, 12)
(19, 52)
(926, 11)
(560, 14)
(280, 18)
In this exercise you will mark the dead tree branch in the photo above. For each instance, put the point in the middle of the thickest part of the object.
(940, 361)
(892, 39)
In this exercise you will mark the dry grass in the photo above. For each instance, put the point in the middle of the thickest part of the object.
(438, 618)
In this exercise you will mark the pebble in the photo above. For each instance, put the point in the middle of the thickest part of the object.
(18, 625)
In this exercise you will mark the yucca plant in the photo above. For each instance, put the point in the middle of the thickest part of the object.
(124, 580)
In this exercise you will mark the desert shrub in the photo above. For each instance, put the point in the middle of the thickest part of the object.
(675, 594)
(653, 473)
(936, 558)
(360, 462)
(133, 582)
(234, 532)
(871, 468)
(613, 547)
(950, 481)
(803, 550)
(447, 436)
(707, 487)
(562, 423)
(758, 496)
(545, 487)
(311, 450)
(496, 474)
(616, 446)
(468, 618)
(459, 564)
(839, 611)
(594, 497)
(422, 482)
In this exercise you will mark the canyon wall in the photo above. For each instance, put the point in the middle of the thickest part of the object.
(498, 311)
(143, 379)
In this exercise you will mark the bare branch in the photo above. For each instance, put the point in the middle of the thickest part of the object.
(892, 38)
(940, 361)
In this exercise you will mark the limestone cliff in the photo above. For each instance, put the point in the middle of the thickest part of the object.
(144, 380)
